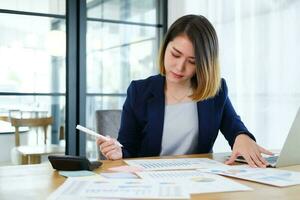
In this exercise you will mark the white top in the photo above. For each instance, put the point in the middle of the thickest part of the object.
(180, 132)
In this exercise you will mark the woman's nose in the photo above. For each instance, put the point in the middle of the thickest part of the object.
(180, 65)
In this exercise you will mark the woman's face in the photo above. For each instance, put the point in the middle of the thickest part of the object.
(179, 60)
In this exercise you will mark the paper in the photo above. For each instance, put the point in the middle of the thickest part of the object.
(126, 168)
(270, 176)
(119, 175)
(76, 173)
(174, 164)
(122, 188)
(193, 181)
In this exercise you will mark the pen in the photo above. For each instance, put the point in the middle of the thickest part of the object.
(93, 133)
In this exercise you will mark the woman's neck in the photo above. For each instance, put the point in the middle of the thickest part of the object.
(177, 93)
(178, 86)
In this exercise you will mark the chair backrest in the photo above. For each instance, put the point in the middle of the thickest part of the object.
(43, 122)
(4, 118)
(108, 123)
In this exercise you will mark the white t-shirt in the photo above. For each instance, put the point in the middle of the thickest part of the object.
(180, 131)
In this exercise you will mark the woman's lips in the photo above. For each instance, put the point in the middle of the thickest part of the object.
(176, 75)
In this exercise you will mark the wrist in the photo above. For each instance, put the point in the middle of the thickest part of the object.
(242, 136)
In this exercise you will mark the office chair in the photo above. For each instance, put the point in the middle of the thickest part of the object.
(108, 123)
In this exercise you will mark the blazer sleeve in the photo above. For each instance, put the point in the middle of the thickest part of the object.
(231, 124)
(129, 128)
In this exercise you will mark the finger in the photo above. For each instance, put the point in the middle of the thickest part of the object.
(257, 161)
(99, 141)
(115, 141)
(111, 154)
(106, 144)
(249, 160)
(115, 154)
(232, 158)
(265, 151)
(261, 158)
(108, 149)
(108, 155)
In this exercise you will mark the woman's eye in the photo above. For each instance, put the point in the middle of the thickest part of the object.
(175, 55)
(192, 62)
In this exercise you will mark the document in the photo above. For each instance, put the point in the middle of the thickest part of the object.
(194, 181)
(80, 173)
(125, 168)
(270, 176)
(122, 188)
(174, 164)
(119, 175)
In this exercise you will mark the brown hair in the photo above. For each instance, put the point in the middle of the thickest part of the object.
(206, 81)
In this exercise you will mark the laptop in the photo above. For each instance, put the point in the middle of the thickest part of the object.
(289, 154)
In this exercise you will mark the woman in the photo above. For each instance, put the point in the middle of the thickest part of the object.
(182, 110)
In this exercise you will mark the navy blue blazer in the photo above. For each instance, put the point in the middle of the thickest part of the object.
(143, 118)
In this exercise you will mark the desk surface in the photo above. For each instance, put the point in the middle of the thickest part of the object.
(38, 181)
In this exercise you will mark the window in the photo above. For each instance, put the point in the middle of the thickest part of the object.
(121, 46)
(43, 52)
(33, 70)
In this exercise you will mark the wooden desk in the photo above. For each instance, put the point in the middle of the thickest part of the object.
(38, 181)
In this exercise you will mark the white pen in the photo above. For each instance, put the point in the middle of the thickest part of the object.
(93, 133)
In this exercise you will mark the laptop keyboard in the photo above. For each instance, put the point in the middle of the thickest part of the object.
(272, 159)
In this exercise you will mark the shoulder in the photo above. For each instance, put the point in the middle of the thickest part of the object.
(224, 89)
(140, 91)
(148, 82)
(222, 94)
(151, 84)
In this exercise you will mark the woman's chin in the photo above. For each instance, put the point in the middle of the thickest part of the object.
(175, 80)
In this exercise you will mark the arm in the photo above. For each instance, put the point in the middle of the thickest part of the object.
(231, 124)
(240, 139)
(128, 132)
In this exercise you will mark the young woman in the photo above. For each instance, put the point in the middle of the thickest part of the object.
(181, 110)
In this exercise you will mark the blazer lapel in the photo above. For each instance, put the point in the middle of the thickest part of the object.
(156, 111)
(204, 123)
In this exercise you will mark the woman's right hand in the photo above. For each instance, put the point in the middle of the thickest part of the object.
(110, 149)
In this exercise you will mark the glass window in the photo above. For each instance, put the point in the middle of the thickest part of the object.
(117, 53)
(32, 58)
(44, 6)
(33, 71)
(121, 53)
(129, 10)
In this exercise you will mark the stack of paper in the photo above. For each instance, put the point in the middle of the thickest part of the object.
(270, 176)
(193, 181)
(151, 184)
(174, 164)
(112, 188)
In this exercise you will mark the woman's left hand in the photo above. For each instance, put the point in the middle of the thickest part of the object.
(246, 147)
